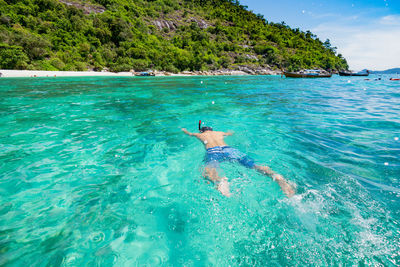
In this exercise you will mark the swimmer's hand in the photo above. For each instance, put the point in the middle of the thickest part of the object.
(187, 132)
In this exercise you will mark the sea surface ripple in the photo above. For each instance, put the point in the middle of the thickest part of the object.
(96, 171)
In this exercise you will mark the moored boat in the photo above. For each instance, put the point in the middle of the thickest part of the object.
(145, 74)
(307, 74)
(350, 73)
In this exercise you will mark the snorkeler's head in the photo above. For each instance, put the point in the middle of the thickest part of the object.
(204, 128)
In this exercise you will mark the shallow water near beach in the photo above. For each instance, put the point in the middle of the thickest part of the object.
(96, 172)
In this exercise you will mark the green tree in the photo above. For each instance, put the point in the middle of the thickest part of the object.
(13, 57)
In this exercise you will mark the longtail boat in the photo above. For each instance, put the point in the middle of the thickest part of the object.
(307, 74)
(350, 73)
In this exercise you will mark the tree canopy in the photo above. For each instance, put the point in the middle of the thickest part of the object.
(171, 35)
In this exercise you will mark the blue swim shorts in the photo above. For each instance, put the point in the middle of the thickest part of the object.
(217, 154)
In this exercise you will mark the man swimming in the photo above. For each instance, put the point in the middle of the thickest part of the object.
(217, 151)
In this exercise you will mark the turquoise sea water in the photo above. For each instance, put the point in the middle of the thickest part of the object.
(96, 172)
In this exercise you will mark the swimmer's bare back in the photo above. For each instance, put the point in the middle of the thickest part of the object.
(210, 138)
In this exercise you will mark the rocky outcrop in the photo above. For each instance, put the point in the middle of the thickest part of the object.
(201, 23)
(86, 7)
(251, 57)
(161, 24)
(241, 70)
(252, 70)
(172, 25)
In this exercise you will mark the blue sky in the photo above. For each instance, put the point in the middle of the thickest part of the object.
(366, 32)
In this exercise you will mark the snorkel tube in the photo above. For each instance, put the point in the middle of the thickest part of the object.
(200, 125)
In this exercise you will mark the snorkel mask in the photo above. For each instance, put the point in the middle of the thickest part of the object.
(205, 128)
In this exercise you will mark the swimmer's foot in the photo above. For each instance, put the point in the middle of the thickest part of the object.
(223, 187)
(289, 192)
(285, 186)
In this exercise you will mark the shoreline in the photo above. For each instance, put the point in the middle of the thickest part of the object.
(42, 73)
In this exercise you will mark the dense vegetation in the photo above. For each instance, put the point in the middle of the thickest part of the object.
(172, 35)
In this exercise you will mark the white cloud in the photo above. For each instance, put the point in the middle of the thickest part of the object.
(365, 46)
(390, 20)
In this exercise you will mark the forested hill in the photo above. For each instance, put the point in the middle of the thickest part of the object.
(171, 35)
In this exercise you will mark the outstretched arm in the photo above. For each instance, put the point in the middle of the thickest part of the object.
(189, 133)
(228, 133)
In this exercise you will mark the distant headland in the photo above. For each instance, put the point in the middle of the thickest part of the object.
(388, 71)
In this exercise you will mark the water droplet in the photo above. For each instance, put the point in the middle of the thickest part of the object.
(396, 138)
(348, 81)
(386, 163)
(213, 102)
(201, 82)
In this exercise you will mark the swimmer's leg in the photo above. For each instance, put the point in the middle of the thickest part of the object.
(221, 182)
(285, 186)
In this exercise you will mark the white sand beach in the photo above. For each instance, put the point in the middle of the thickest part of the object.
(40, 73)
